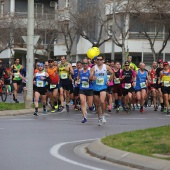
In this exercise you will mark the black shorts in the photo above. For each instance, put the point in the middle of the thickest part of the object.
(76, 91)
(71, 87)
(159, 86)
(87, 92)
(23, 84)
(165, 90)
(50, 89)
(118, 89)
(41, 90)
(154, 86)
(97, 93)
(65, 84)
(110, 89)
(19, 82)
(7, 81)
(126, 91)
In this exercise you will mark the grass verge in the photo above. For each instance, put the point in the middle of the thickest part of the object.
(145, 142)
(11, 106)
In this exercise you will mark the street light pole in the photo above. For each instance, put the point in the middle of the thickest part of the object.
(30, 54)
(113, 29)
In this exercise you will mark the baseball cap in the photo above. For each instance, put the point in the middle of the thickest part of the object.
(126, 62)
(165, 63)
(73, 64)
(40, 65)
(160, 61)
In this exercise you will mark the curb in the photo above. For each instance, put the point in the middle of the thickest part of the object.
(17, 112)
(98, 149)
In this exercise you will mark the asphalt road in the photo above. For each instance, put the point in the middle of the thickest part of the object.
(58, 141)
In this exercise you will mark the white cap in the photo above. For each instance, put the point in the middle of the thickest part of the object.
(73, 64)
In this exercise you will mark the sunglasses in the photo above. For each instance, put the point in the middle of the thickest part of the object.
(84, 63)
(99, 59)
(46, 65)
(50, 61)
(126, 65)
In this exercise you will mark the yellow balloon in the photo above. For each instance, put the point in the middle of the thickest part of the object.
(93, 52)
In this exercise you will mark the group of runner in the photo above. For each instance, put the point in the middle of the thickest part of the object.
(96, 85)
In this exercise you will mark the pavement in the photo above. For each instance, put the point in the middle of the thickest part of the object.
(104, 152)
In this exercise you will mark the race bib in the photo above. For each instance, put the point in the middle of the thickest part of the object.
(40, 84)
(117, 81)
(128, 85)
(143, 85)
(52, 86)
(64, 76)
(16, 75)
(108, 77)
(85, 84)
(154, 80)
(100, 81)
(166, 83)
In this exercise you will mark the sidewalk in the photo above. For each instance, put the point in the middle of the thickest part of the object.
(102, 151)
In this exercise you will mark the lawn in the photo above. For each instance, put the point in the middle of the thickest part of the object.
(145, 142)
(11, 106)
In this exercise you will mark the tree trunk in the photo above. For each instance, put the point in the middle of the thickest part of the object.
(123, 54)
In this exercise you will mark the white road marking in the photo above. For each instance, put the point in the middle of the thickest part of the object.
(55, 152)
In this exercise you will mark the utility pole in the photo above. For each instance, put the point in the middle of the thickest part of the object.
(113, 29)
(30, 54)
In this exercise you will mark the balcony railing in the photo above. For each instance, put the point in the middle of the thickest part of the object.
(137, 35)
(25, 15)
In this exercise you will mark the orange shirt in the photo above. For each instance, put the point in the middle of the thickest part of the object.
(53, 75)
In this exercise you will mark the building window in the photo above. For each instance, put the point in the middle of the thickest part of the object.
(39, 8)
(2, 8)
(67, 3)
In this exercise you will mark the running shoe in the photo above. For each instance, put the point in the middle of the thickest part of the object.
(52, 110)
(162, 109)
(16, 101)
(35, 113)
(56, 107)
(100, 122)
(44, 110)
(109, 108)
(84, 120)
(155, 108)
(67, 107)
(168, 112)
(61, 109)
(103, 119)
(141, 109)
(118, 109)
(165, 110)
(76, 108)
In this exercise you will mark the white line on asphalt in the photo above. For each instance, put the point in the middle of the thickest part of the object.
(138, 118)
(55, 152)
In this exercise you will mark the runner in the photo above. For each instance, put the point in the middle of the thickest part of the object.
(16, 79)
(117, 90)
(165, 79)
(99, 76)
(158, 70)
(53, 85)
(153, 84)
(76, 84)
(40, 79)
(128, 79)
(141, 85)
(86, 90)
(65, 69)
(7, 74)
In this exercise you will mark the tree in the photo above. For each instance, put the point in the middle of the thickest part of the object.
(155, 27)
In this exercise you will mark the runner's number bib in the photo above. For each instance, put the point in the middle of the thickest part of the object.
(40, 84)
(100, 81)
(64, 76)
(143, 85)
(166, 83)
(116, 81)
(128, 85)
(85, 84)
(16, 75)
(52, 86)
